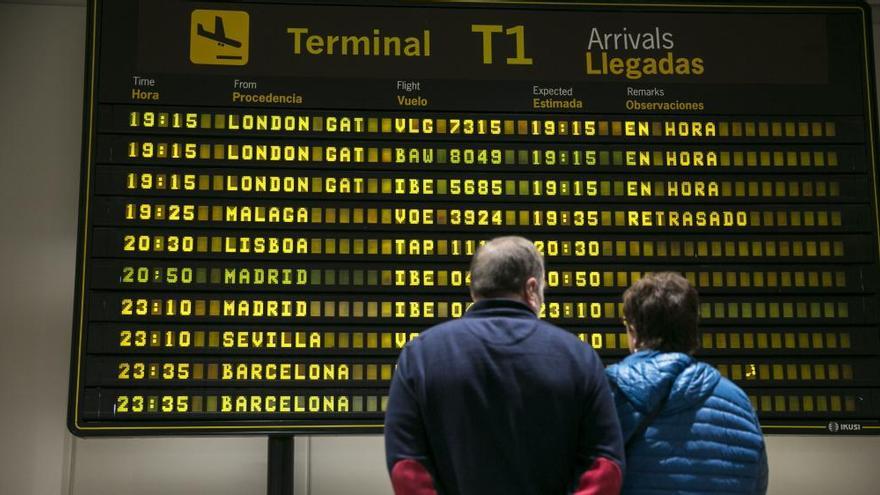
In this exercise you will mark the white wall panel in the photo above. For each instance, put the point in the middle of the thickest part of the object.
(41, 60)
(169, 466)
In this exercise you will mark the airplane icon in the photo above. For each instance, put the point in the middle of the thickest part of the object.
(219, 34)
(219, 37)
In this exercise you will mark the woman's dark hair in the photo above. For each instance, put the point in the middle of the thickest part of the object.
(663, 311)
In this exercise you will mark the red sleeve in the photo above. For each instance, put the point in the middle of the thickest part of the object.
(408, 477)
(603, 478)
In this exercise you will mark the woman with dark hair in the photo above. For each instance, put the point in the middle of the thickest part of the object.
(687, 429)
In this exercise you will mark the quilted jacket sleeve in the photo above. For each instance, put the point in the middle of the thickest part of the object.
(627, 415)
(763, 473)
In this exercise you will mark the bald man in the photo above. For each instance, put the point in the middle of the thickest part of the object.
(499, 401)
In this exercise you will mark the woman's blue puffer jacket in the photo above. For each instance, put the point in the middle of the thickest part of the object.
(706, 439)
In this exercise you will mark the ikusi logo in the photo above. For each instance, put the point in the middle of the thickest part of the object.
(835, 427)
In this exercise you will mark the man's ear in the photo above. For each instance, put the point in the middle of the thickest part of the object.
(532, 294)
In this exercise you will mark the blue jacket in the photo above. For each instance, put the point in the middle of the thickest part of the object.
(501, 402)
(706, 438)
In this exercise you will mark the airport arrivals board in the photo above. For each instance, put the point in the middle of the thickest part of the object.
(276, 197)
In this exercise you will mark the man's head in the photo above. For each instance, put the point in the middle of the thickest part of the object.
(661, 312)
(508, 268)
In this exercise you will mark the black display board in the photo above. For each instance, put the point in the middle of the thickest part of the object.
(277, 196)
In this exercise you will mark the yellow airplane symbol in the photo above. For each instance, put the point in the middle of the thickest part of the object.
(219, 34)
(219, 37)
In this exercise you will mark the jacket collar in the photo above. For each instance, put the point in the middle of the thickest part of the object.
(650, 354)
(486, 308)
(646, 377)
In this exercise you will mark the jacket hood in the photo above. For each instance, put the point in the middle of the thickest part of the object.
(646, 377)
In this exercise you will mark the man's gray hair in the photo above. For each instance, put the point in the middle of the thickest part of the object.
(501, 267)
